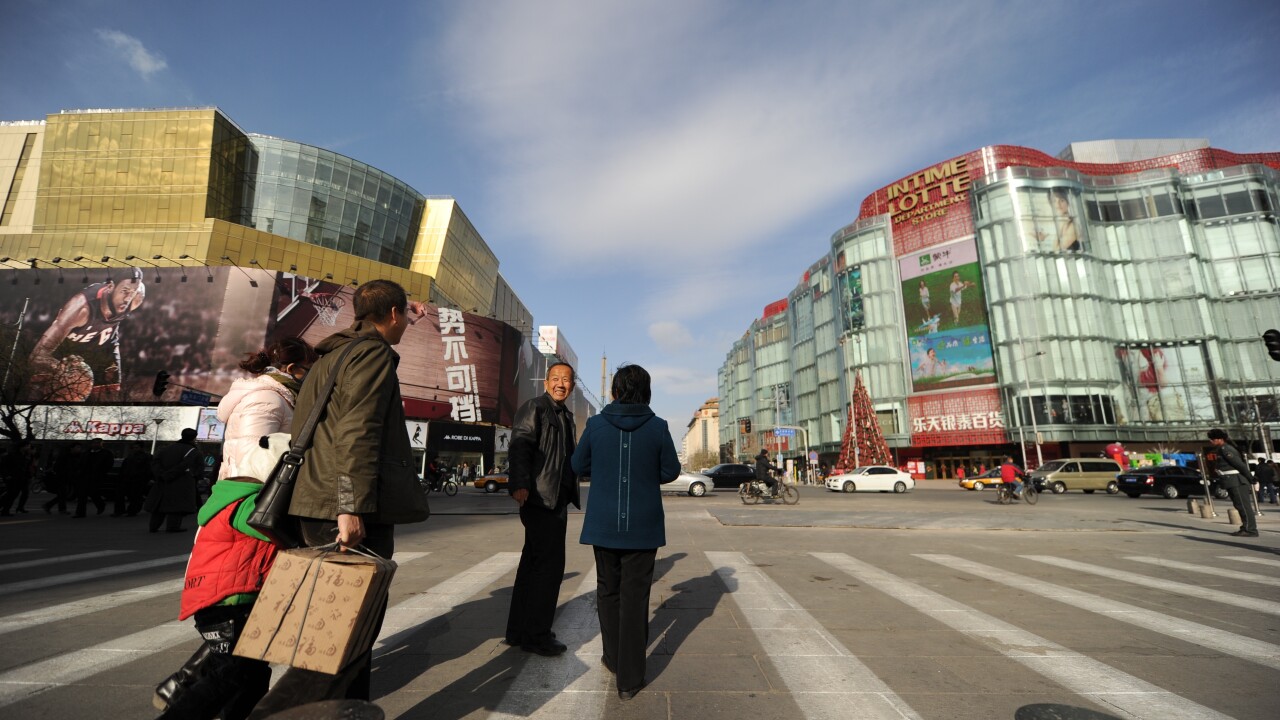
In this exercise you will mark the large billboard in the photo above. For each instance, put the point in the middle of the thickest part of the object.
(948, 334)
(1166, 383)
(101, 335)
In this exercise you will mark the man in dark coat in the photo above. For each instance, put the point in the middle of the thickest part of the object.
(89, 481)
(176, 469)
(134, 479)
(1234, 477)
(764, 471)
(543, 484)
(1266, 475)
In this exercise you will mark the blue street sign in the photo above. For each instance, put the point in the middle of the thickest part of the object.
(195, 397)
(784, 432)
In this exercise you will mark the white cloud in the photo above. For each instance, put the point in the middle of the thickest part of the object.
(132, 51)
(671, 337)
(669, 380)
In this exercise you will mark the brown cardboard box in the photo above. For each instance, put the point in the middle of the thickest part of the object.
(316, 609)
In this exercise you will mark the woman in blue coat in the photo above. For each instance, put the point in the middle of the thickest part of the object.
(628, 453)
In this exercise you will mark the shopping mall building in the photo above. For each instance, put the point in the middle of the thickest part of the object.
(1117, 292)
(231, 240)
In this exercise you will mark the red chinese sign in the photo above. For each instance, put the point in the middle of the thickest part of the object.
(971, 417)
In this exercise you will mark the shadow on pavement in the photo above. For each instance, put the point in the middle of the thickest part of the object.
(1235, 544)
(679, 615)
(1054, 711)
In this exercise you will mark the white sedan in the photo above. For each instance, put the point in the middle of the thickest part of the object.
(690, 483)
(872, 478)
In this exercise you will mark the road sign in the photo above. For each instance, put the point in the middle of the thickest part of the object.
(195, 397)
(784, 432)
(813, 458)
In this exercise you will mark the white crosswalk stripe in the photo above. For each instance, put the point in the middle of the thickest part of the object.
(1251, 559)
(75, 577)
(1257, 651)
(824, 678)
(1101, 683)
(63, 559)
(573, 685)
(1207, 570)
(98, 603)
(35, 678)
(1226, 598)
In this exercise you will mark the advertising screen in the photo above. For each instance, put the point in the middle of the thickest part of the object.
(102, 334)
(1169, 383)
(948, 338)
(855, 316)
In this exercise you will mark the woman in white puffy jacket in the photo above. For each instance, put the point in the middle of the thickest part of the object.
(262, 404)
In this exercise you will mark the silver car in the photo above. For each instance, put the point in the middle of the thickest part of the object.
(691, 483)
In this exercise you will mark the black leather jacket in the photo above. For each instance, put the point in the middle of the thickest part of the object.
(538, 453)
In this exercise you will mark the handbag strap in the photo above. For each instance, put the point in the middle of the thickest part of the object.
(300, 443)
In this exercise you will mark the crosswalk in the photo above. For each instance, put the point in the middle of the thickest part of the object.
(813, 634)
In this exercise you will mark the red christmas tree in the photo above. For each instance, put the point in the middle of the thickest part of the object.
(863, 430)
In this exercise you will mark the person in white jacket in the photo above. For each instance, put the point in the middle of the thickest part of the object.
(262, 404)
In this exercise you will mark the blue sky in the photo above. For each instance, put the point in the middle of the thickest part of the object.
(651, 174)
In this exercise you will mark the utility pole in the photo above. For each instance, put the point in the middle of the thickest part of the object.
(604, 373)
(14, 349)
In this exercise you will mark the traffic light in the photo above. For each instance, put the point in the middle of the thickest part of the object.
(1272, 339)
(162, 383)
(744, 426)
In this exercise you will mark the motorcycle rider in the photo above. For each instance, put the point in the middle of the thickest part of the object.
(1009, 473)
(763, 474)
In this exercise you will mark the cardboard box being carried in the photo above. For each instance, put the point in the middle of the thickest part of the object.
(317, 609)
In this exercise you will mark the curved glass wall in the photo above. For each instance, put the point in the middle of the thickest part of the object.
(326, 199)
(1110, 297)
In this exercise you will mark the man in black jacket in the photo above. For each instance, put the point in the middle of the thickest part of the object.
(764, 472)
(542, 482)
(1235, 478)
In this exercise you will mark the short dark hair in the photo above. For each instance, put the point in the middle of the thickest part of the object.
(189, 433)
(376, 299)
(285, 351)
(1219, 434)
(573, 374)
(631, 385)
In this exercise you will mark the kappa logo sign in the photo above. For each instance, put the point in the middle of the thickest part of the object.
(466, 438)
(97, 427)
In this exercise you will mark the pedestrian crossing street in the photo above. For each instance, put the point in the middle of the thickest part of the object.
(778, 633)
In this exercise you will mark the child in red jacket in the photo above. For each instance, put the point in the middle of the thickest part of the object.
(228, 565)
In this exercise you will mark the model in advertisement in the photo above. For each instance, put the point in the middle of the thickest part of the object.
(957, 288)
(79, 354)
(942, 354)
(1066, 237)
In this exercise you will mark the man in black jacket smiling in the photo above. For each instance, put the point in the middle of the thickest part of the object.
(542, 482)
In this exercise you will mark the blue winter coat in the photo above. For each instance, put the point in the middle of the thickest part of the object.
(627, 451)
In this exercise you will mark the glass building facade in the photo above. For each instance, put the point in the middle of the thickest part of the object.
(326, 199)
(1007, 293)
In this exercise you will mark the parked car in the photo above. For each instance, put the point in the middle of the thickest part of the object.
(1169, 481)
(691, 483)
(491, 483)
(977, 482)
(1087, 474)
(730, 475)
(872, 478)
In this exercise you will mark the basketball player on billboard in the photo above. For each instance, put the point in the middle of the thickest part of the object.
(79, 355)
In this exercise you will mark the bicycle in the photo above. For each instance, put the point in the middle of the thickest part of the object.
(1030, 495)
(448, 485)
(754, 491)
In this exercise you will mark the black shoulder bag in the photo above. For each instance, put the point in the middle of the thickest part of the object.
(271, 511)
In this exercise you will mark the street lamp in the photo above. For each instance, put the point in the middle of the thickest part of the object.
(1035, 428)
(73, 262)
(209, 276)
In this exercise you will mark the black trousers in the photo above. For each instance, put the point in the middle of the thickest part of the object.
(537, 588)
(299, 687)
(15, 489)
(172, 521)
(227, 686)
(86, 489)
(623, 581)
(1242, 499)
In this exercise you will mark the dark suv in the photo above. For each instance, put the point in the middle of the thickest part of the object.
(730, 475)
(1169, 481)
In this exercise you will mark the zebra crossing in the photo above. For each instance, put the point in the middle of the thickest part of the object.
(775, 620)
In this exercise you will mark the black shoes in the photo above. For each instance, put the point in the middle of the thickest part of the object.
(628, 694)
(1244, 533)
(548, 648)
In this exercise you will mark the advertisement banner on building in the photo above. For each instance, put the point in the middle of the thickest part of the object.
(948, 338)
(850, 284)
(1166, 383)
(454, 365)
(968, 417)
(101, 334)
(113, 422)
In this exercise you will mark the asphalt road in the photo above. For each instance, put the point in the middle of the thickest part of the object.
(936, 604)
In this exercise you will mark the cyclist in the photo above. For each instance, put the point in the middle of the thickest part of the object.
(1009, 473)
(763, 468)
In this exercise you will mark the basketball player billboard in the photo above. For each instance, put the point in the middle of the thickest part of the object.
(102, 337)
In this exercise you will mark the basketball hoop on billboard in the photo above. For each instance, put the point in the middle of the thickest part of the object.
(327, 306)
